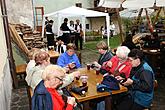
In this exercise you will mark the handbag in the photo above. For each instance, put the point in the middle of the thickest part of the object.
(108, 83)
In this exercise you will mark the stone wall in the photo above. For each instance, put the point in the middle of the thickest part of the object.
(20, 11)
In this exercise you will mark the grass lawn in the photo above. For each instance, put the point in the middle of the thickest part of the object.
(114, 42)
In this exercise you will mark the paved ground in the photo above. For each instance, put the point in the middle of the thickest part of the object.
(20, 99)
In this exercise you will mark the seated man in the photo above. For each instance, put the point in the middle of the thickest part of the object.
(46, 96)
(69, 59)
(140, 84)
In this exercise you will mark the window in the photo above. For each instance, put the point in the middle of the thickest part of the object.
(79, 5)
(87, 26)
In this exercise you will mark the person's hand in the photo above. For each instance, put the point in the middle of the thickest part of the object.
(72, 65)
(66, 69)
(128, 82)
(109, 64)
(119, 78)
(104, 64)
(97, 64)
(76, 74)
(71, 100)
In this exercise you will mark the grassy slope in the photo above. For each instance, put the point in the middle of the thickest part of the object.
(114, 42)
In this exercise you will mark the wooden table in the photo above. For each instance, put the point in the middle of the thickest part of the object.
(92, 93)
(53, 56)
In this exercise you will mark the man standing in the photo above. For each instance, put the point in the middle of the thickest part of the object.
(140, 84)
(78, 37)
(66, 31)
(50, 34)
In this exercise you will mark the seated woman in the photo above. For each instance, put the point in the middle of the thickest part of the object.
(46, 96)
(105, 55)
(31, 56)
(69, 59)
(119, 64)
(60, 47)
(42, 60)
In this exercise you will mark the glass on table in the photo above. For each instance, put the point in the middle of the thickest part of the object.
(84, 80)
(88, 66)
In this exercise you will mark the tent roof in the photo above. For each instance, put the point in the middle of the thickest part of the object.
(110, 3)
(131, 4)
(76, 11)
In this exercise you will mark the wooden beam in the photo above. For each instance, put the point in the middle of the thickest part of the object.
(18, 40)
(149, 22)
(120, 25)
(139, 16)
(157, 15)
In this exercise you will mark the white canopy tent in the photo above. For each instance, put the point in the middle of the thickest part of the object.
(77, 12)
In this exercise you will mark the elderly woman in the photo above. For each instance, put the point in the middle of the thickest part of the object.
(119, 64)
(42, 59)
(31, 56)
(105, 55)
(69, 59)
(46, 96)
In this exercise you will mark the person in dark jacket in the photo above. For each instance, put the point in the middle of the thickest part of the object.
(66, 32)
(46, 96)
(140, 84)
(128, 42)
(50, 34)
(105, 55)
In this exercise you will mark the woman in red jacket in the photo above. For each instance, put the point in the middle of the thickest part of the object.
(46, 96)
(119, 64)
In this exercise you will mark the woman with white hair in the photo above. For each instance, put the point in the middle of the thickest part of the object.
(46, 96)
(119, 64)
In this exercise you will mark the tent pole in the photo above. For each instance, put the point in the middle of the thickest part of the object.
(120, 26)
(83, 27)
(108, 28)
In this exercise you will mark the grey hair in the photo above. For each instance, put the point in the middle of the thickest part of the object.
(122, 52)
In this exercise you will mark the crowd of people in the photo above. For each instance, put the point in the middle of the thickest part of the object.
(69, 33)
(48, 80)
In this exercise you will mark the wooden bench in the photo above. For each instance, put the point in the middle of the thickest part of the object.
(21, 70)
(30, 94)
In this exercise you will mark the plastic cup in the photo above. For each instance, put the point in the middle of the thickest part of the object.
(84, 80)
(88, 66)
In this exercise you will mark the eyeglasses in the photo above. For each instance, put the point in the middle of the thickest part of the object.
(61, 79)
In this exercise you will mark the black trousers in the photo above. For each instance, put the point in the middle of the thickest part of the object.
(65, 38)
(50, 39)
(78, 38)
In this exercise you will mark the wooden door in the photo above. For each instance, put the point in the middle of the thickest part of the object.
(39, 12)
